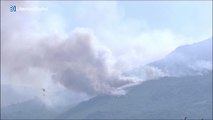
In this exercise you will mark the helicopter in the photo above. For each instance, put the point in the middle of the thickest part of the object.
(43, 91)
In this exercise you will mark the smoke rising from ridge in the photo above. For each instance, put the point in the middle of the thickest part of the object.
(78, 63)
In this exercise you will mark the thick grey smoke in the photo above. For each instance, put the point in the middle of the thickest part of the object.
(80, 64)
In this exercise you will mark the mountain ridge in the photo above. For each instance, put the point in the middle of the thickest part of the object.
(193, 59)
(152, 99)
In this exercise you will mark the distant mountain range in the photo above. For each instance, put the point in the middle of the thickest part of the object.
(194, 59)
(186, 92)
(31, 109)
(14, 94)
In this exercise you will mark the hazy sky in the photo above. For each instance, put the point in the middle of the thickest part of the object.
(129, 27)
(141, 30)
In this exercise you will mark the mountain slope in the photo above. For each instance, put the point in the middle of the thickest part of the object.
(166, 98)
(12, 94)
(31, 109)
(191, 59)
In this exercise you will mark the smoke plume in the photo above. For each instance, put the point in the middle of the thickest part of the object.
(78, 63)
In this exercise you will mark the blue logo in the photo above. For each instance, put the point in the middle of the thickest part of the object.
(13, 8)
